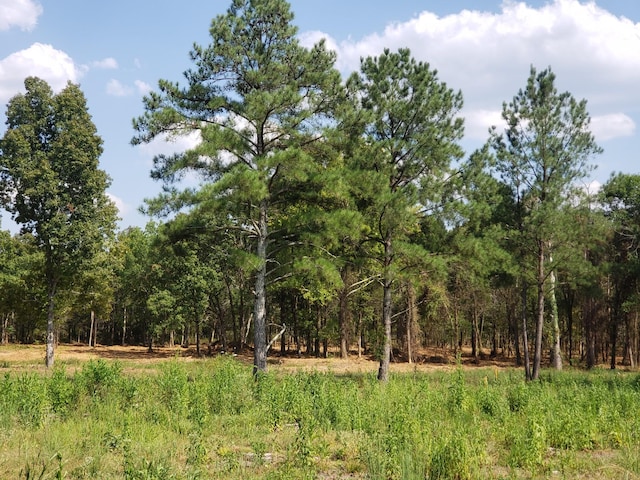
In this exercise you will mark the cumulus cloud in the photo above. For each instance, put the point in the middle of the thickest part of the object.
(106, 63)
(143, 87)
(40, 60)
(614, 125)
(118, 89)
(593, 53)
(120, 204)
(19, 13)
(166, 145)
(309, 39)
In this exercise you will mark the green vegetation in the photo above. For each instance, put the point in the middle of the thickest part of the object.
(214, 419)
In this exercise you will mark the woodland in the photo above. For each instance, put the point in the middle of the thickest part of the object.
(334, 216)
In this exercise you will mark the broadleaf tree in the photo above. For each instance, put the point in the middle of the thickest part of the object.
(258, 99)
(52, 183)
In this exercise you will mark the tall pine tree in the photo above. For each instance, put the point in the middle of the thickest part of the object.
(258, 99)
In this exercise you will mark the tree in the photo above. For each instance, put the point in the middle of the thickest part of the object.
(620, 197)
(17, 257)
(543, 152)
(258, 99)
(409, 132)
(52, 184)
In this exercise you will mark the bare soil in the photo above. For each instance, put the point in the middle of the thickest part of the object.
(32, 357)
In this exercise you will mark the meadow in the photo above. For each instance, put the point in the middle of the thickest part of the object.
(210, 418)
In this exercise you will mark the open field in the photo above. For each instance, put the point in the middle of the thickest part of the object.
(32, 357)
(114, 412)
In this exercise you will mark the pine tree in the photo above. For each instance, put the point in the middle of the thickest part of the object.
(258, 100)
(544, 151)
(409, 129)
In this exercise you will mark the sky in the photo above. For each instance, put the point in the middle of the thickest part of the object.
(118, 50)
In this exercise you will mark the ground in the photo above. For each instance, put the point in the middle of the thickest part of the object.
(32, 357)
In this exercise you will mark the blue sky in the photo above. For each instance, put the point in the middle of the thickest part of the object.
(118, 50)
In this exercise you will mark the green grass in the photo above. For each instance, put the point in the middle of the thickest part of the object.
(212, 419)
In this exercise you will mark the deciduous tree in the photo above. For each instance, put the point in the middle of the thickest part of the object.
(53, 186)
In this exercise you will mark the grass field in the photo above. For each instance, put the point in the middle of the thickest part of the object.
(113, 413)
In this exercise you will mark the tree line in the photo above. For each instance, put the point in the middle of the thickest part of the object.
(330, 213)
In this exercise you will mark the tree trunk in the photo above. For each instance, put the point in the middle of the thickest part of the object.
(5, 329)
(525, 336)
(359, 334)
(513, 320)
(50, 324)
(556, 359)
(260, 301)
(537, 352)
(385, 359)
(589, 327)
(197, 324)
(92, 328)
(124, 327)
(343, 315)
(234, 315)
(411, 314)
(569, 298)
(613, 339)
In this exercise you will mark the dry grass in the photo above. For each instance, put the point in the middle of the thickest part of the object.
(31, 357)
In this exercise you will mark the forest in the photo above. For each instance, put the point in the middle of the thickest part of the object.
(334, 216)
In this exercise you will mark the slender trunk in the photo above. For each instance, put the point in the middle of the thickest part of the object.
(589, 324)
(411, 312)
(50, 323)
(91, 329)
(283, 307)
(475, 337)
(385, 359)
(296, 332)
(537, 352)
(613, 340)
(457, 341)
(234, 315)
(556, 360)
(359, 335)
(197, 324)
(124, 327)
(343, 316)
(516, 333)
(260, 302)
(569, 312)
(316, 341)
(525, 337)
(5, 329)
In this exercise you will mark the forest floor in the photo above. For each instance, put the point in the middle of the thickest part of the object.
(32, 356)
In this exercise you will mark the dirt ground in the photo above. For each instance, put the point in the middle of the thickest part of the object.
(32, 357)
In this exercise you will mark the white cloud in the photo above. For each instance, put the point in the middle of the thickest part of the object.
(165, 145)
(120, 204)
(614, 125)
(309, 39)
(487, 56)
(106, 63)
(142, 87)
(19, 13)
(40, 60)
(478, 122)
(117, 89)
